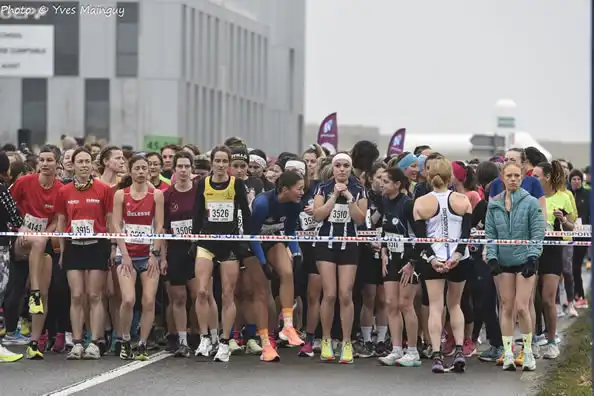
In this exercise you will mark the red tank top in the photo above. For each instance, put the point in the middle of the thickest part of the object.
(138, 220)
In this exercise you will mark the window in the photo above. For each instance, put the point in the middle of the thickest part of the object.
(66, 41)
(97, 108)
(291, 78)
(127, 31)
(34, 108)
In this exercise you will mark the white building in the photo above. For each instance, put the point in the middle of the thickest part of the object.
(196, 69)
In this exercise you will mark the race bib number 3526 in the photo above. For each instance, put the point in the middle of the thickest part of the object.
(220, 212)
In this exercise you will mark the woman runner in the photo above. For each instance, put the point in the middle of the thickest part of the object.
(219, 197)
(138, 210)
(340, 204)
(85, 206)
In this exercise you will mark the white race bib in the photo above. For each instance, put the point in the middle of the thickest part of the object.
(340, 214)
(181, 227)
(137, 231)
(35, 224)
(368, 219)
(220, 212)
(307, 222)
(82, 227)
(395, 247)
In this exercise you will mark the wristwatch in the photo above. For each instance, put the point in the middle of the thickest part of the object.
(156, 253)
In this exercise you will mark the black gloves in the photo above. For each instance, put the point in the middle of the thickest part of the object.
(530, 267)
(495, 267)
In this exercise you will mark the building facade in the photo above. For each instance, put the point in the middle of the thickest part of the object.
(201, 70)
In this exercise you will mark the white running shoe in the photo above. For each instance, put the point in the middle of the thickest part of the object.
(222, 353)
(76, 353)
(205, 347)
(92, 352)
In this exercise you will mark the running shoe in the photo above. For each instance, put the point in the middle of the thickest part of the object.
(172, 341)
(222, 353)
(7, 356)
(182, 351)
(234, 347)
(92, 352)
(35, 304)
(15, 339)
(391, 359)
(317, 345)
(59, 343)
(409, 360)
(437, 366)
(365, 350)
(519, 360)
(327, 352)
(551, 351)
(25, 327)
(529, 363)
(449, 346)
(571, 311)
(68, 340)
(126, 352)
(33, 351)
(76, 353)
(269, 354)
(581, 303)
(252, 347)
(42, 343)
(459, 364)
(306, 350)
(272, 341)
(491, 354)
(289, 335)
(141, 352)
(2, 324)
(468, 348)
(205, 347)
(509, 363)
(346, 354)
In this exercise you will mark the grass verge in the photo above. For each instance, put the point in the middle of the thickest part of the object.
(572, 375)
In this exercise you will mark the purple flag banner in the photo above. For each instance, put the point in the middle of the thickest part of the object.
(396, 145)
(328, 133)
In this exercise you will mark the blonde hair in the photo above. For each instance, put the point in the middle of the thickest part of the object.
(440, 173)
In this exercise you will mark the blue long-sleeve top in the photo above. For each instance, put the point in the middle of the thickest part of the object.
(270, 217)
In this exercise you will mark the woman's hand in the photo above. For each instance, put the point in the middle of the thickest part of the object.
(384, 265)
(407, 274)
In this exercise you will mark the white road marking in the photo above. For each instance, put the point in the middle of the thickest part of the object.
(108, 375)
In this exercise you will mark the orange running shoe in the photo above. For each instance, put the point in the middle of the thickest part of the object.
(289, 334)
(269, 354)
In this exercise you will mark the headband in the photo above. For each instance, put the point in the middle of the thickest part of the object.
(422, 158)
(407, 161)
(458, 171)
(239, 156)
(300, 166)
(258, 160)
(342, 157)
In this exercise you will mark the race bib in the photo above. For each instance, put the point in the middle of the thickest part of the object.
(307, 222)
(340, 214)
(368, 219)
(181, 227)
(395, 247)
(220, 212)
(35, 224)
(136, 232)
(82, 227)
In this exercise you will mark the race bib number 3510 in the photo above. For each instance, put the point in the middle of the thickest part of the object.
(220, 212)
(340, 214)
(35, 224)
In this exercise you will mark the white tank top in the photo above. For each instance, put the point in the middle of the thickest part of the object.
(445, 224)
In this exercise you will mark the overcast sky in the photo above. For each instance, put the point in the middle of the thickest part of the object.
(439, 66)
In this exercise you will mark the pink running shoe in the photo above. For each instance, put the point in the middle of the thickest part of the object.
(42, 343)
(306, 350)
(60, 343)
(449, 347)
(468, 348)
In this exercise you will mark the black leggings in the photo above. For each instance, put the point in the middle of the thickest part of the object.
(58, 314)
(579, 252)
(15, 293)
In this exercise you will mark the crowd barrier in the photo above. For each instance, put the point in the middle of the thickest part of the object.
(308, 236)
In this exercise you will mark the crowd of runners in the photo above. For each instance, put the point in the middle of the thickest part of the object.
(399, 302)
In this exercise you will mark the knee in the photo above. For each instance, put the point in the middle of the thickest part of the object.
(227, 297)
(128, 301)
(95, 298)
(329, 298)
(345, 297)
(179, 300)
(148, 302)
(76, 298)
(523, 309)
(285, 275)
(203, 295)
(405, 305)
(313, 297)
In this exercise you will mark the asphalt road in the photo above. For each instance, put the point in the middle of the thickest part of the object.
(163, 375)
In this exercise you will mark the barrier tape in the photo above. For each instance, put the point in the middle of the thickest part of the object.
(477, 233)
(297, 238)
